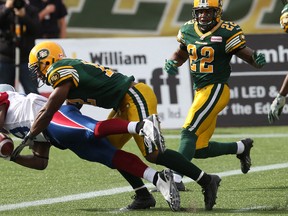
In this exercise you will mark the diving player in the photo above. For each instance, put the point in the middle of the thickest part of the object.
(69, 129)
(82, 82)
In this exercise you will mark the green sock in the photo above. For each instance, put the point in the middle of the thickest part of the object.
(215, 149)
(177, 162)
(187, 144)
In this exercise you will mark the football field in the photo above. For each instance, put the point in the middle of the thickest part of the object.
(71, 186)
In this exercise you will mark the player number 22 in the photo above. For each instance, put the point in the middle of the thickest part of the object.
(205, 60)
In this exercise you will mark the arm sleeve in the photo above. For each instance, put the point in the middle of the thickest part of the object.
(236, 40)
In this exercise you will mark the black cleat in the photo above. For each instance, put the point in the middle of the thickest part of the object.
(244, 158)
(140, 202)
(210, 192)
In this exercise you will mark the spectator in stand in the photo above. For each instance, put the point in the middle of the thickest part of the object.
(52, 14)
(19, 26)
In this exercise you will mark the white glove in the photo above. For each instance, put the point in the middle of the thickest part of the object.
(276, 108)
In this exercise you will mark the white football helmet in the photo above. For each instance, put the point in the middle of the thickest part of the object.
(6, 87)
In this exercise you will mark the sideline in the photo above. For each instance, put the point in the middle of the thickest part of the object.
(123, 189)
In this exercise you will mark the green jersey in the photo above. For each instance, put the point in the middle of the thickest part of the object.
(210, 53)
(93, 84)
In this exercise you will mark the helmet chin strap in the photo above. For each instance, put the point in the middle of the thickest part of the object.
(42, 77)
(40, 83)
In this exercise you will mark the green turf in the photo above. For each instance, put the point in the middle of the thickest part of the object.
(256, 193)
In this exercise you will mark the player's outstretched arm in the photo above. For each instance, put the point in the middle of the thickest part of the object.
(252, 57)
(284, 88)
(38, 159)
(176, 60)
(279, 102)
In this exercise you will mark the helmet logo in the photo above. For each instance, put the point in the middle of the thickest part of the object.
(203, 3)
(42, 54)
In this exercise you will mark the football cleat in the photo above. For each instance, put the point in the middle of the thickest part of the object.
(152, 133)
(140, 202)
(180, 187)
(244, 157)
(210, 192)
(168, 189)
(153, 190)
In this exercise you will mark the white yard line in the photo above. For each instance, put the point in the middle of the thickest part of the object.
(123, 190)
(240, 136)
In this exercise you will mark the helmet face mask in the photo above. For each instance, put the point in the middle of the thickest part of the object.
(207, 13)
(42, 56)
(37, 73)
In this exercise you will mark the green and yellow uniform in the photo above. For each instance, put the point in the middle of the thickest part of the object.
(210, 53)
(102, 87)
(209, 56)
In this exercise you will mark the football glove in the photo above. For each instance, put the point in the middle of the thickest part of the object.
(171, 67)
(27, 141)
(259, 59)
(276, 108)
(284, 18)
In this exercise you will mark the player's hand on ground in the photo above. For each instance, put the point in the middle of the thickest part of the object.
(171, 67)
(276, 108)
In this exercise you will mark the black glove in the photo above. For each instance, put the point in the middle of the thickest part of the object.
(27, 141)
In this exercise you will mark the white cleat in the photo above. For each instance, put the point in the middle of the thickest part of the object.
(168, 189)
(152, 133)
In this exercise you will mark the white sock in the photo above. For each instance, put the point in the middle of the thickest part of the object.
(132, 127)
(200, 176)
(149, 174)
(177, 178)
(240, 147)
(143, 186)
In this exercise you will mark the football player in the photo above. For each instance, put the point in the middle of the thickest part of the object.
(82, 82)
(209, 43)
(284, 16)
(69, 129)
(280, 100)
